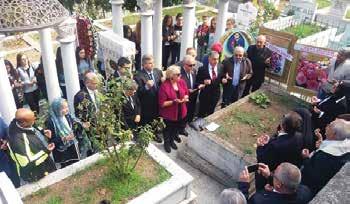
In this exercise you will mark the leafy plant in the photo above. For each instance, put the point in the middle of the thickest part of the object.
(260, 99)
(108, 128)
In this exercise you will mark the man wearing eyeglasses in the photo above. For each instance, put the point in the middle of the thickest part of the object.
(236, 71)
(189, 76)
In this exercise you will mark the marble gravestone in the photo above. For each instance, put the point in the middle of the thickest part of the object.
(246, 14)
(303, 9)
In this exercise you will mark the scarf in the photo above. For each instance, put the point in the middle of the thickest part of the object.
(62, 127)
(335, 148)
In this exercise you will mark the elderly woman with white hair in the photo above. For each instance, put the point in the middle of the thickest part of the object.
(330, 157)
(173, 96)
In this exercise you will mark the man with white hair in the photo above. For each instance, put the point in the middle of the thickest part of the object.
(326, 161)
(284, 188)
(188, 74)
(237, 70)
(260, 56)
(209, 76)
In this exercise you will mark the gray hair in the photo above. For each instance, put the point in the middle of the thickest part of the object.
(188, 58)
(232, 196)
(239, 49)
(341, 129)
(146, 57)
(130, 85)
(214, 54)
(289, 175)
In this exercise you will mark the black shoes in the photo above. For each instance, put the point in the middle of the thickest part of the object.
(167, 147)
(173, 145)
(158, 138)
(184, 132)
(177, 139)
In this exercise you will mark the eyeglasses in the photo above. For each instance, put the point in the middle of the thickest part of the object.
(178, 74)
(238, 55)
(191, 65)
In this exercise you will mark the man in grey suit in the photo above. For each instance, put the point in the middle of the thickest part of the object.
(236, 71)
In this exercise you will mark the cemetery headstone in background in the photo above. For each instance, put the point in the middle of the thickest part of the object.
(246, 14)
(304, 9)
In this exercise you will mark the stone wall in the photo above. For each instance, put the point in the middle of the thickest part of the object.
(337, 189)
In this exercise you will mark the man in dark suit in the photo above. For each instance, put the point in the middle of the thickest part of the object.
(132, 107)
(260, 57)
(122, 68)
(285, 186)
(286, 146)
(149, 80)
(332, 154)
(86, 103)
(326, 110)
(189, 76)
(237, 70)
(210, 75)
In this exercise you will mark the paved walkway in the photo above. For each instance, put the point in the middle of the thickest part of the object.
(206, 189)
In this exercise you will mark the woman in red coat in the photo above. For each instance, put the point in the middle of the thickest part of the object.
(173, 96)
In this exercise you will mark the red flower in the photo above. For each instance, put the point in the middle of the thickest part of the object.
(312, 84)
(311, 74)
(301, 78)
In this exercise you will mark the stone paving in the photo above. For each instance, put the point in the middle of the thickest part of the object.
(206, 189)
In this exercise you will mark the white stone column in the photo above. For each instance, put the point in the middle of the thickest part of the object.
(52, 85)
(221, 21)
(7, 102)
(66, 34)
(188, 27)
(157, 31)
(117, 16)
(146, 26)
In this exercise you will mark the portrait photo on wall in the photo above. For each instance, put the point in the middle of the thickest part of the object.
(310, 69)
(234, 38)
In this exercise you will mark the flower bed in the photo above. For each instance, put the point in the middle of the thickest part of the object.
(161, 180)
(97, 183)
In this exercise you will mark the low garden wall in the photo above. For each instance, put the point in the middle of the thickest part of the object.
(337, 189)
(175, 190)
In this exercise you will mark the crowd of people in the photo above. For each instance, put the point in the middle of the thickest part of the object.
(309, 147)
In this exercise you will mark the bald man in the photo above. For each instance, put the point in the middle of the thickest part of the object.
(29, 147)
(237, 70)
(260, 56)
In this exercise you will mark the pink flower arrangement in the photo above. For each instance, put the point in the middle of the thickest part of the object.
(310, 75)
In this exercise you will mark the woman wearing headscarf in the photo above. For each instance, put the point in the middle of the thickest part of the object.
(61, 125)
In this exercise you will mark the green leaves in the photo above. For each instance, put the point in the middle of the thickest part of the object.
(260, 99)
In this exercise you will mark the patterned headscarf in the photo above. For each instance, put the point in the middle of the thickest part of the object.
(62, 129)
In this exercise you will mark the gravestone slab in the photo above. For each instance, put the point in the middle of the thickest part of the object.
(246, 14)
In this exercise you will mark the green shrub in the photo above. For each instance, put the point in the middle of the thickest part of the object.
(260, 99)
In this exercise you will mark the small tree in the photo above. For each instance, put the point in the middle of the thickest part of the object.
(113, 138)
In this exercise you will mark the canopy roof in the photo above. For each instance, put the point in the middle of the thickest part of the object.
(27, 15)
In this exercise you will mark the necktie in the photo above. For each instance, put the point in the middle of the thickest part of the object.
(191, 83)
(131, 102)
(213, 73)
(151, 78)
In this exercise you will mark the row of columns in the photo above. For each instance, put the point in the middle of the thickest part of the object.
(151, 43)
(66, 33)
